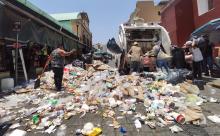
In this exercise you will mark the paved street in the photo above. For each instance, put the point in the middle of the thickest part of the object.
(67, 46)
(127, 121)
(210, 129)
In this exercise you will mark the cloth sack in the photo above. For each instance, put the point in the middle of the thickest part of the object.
(163, 56)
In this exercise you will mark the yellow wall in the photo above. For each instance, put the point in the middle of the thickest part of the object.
(82, 30)
(147, 11)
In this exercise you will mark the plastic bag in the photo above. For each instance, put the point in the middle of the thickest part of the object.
(177, 76)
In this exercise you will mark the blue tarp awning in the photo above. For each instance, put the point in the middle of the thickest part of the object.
(207, 28)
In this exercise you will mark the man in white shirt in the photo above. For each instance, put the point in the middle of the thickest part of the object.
(197, 60)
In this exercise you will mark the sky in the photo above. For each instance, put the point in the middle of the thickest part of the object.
(105, 15)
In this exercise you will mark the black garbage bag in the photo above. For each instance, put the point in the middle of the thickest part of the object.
(199, 83)
(113, 46)
(148, 76)
(216, 71)
(176, 76)
(4, 127)
(78, 63)
(87, 58)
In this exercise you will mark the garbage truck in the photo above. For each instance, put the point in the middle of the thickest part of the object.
(146, 34)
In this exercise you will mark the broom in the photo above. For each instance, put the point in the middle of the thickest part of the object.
(37, 82)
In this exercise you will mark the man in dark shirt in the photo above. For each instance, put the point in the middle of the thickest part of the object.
(207, 51)
(209, 59)
(57, 63)
(178, 59)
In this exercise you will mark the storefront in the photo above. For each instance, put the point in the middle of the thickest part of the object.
(39, 34)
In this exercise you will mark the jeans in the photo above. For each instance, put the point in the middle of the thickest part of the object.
(208, 65)
(161, 64)
(197, 69)
(135, 66)
(58, 77)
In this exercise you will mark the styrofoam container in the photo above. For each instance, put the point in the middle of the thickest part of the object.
(7, 83)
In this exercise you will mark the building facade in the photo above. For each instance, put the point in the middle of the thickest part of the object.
(182, 17)
(39, 34)
(79, 23)
(205, 10)
(148, 11)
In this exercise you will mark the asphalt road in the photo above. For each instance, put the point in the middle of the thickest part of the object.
(210, 129)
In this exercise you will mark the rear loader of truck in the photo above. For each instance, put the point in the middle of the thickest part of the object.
(146, 34)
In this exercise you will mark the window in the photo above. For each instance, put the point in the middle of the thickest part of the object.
(204, 6)
(159, 13)
(210, 4)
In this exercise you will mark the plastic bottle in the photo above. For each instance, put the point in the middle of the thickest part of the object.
(213, 91)
(78, 132)
(123, 130)
(61, 130)
(36, 119)
(137, 124)
(55, 114)
(95, 132)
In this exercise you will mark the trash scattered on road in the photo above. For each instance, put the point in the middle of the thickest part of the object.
(214, 118)
(87, 129)
(123, 130)
(137, 124)
(18, 132)
(61, 130)
(175, 129)
(14, 126)
(102, 86)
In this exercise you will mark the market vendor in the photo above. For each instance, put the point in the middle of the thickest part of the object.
(57, 63)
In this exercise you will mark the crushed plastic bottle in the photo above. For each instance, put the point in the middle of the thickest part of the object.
(137, 124)
(95, 132)
(78, 132)
(123, 130)
(36, 119)
(213, 91)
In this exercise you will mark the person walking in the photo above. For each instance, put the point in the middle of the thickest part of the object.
(57, 63)
(135, 55)
(197, 60)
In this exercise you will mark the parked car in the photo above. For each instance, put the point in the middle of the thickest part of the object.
(107, 55)
(97, 55)
(102, 56)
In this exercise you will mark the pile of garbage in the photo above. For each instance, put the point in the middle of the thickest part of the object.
(100, 86)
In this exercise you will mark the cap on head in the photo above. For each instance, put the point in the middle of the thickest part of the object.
(188, 43)
(135, 43)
